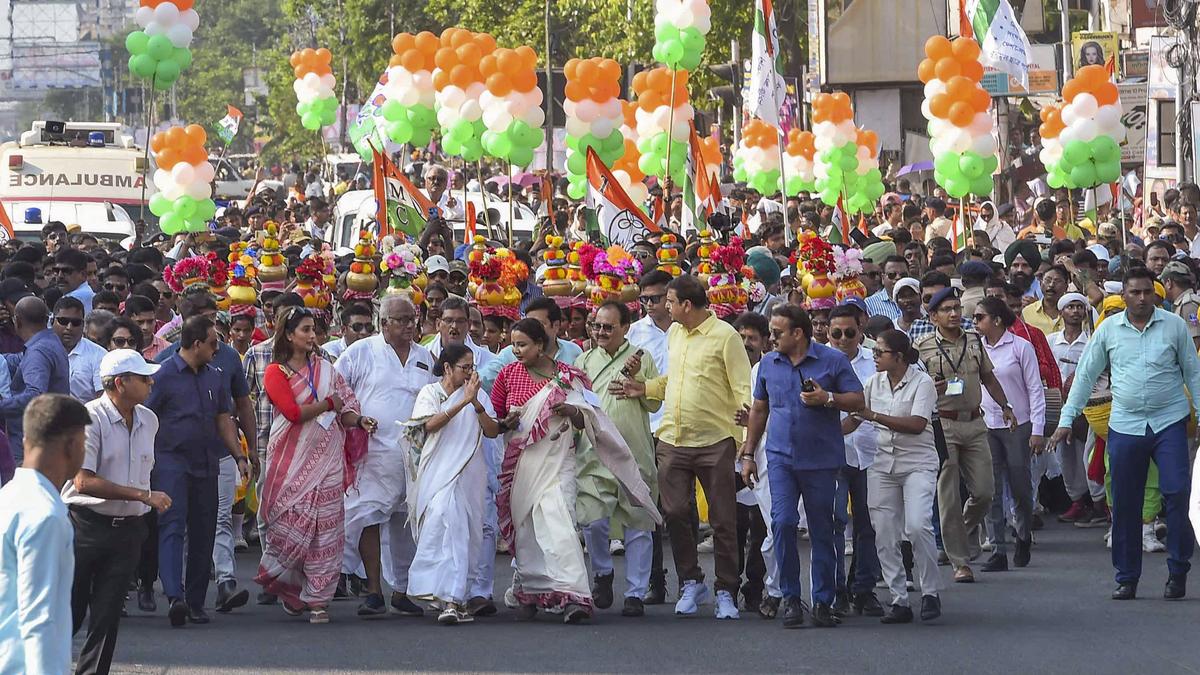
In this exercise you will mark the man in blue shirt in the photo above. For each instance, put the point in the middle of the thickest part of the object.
(800, 388)
(193, 407)
(42, 369)
(70, 274)
(1152, 359)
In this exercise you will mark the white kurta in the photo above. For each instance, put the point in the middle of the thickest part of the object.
(446, 497)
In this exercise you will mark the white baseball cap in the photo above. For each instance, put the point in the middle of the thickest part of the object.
(437, 263)
(906, 282)
(125, 361)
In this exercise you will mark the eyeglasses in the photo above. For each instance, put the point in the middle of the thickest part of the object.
(949, 309)
(121, 342)
(465, 367)
(68, 321)
(166, 295)
(359, 327)
(979, 317)
(849, 333)
(116, 288)
(603, 327)
(652, 299)
(877, 352)
(462, 321)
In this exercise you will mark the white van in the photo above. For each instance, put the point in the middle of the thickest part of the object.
(86, 173)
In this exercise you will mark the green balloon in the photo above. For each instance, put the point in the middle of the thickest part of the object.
(182, 56)
(576, 190)
(650, 164)
(137, 42)
(982, 186)
(328, 117)
(421, 137)
(311, 120)
(692, 39)
(159, 204)
(957, 187)
(1105, 150)
(502, 145)
(830, 197)
(1108, 172)
(1076, 152)
(185, 206)
(393, 110)
(159, 47)
(163, 85)
(142, 65)
(206, 209)
(400, 131)
(658, 52)
(576, 163)
(990, 164)
(739, 174)
(521, 156)
(672, 52)
(171, 223)
(1084, 175)
(946, 163)
(167, 71)
(303, 108)
(452, 146)
(690, 60)
(473, 153)
(971, 165)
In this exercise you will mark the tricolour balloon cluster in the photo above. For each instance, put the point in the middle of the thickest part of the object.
(408, 113)
(594, 117)
(459, 85)
(756, 160)
(1081, 141)
(316, 104)
(183, 178)
(658, 126)
(161, 50)
(679, 30)
(956, 105)
(511, 104)
(841, 168)
(798, 162)
(627, 169)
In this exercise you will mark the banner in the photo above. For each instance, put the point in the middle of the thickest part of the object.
(620, 221)
(400, 206)
(1003, 42)
(1134, 117)
(1096, 49)
(228, 127)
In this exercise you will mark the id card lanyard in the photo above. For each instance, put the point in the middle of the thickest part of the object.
(954, 386)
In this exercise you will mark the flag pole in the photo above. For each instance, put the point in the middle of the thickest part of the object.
(670, 128)
(787, 227)
(146, 157)
(483, 189)
(510, 205)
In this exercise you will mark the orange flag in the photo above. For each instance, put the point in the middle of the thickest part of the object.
(469, 224)
(6, 223)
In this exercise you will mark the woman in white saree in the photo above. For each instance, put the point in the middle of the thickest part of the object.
(545, 403)
(448, 483)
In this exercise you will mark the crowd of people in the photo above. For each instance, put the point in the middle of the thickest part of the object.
(397, 439)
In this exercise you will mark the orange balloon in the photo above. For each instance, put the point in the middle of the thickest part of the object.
(972, 70)
(488, 66)
(640, 82)
(938, 47)
(295, 59)
(157, 142)
(526, 80)
(499, 84)
(650, 99)
(960, 88)
(1072, 89)
(412, 61)
(394, 61)
(441, 79)
(167, 158)
(196, 134)
(445, 58)
(528, 57)
(961, 114)
(1092, 76)
(403, 42)
(940, 104)
(324, 55)
(611, 69)
(426, 42)
(447, 36)
(570, 69)
(588, 72)
(1107, 94)
(485, 42)
(461, 38)
(965, 49)
(176, 136)
(927, 70)
(981, 100)
(820, 115)
(508, 61)
(460, 76)
(469, 54)
(948, 68)
(193, 154)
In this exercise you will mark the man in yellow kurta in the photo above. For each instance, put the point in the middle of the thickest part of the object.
(601, 508)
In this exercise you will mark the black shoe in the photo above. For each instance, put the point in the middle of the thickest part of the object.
(124, 610)
(602, 593)
(481, 606)
(897, 614)
(841, 603)
(372, 606)
(178, 612)
(145, 599)
(769, 607)
(793, 613)
(633, 607)
(340, 593)
(574, 614)
(1176, 587)
(405, 607)
(266, 598)
(656, 596)
(229, 598)
(355, 585)
(997, 563)
(197, 615)
(823, 616)
(1021, 552)
(931, 607)
(526, 612)
(1126, 591)
(867, 603)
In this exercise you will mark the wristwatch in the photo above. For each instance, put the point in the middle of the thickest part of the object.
(829, 401)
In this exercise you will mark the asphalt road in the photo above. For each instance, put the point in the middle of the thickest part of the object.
(1053, 617)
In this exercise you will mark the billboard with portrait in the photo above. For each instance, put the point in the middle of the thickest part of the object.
(1096, 49)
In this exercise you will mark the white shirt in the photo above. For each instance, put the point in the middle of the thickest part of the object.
(385, 387)
(118, 454)
(647, 336)
(898, 453)
(481, 354)
(84, 360)
(37, 564)
(861, 444)
(1067, 354)
(455, 212)
(334, 348)
(999, 232)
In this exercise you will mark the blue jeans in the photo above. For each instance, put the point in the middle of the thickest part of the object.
(1129, 458)
(852, 490)
(817, 487)
(193, 513)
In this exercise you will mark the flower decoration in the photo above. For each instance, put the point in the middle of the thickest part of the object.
(311, 270)
(668, 255)
(191, 271)
(729, 258)
(847, 263)
(815, 254)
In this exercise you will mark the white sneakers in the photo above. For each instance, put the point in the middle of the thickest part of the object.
(726, 607)
(691, 596)
(1150, 542)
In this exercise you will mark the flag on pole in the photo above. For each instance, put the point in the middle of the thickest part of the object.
(8, 234)
(619, 220)
(839, 232)
(1004, 43)
(766, 83)
(400, 206)
(469, 223)
(227, 128)
(659, 217)
(701, 196)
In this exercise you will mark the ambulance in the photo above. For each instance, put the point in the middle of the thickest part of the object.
(84, 173)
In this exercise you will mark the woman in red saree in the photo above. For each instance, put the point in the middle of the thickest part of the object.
(305, 480)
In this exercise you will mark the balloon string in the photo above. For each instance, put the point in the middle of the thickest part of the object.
(146, 156)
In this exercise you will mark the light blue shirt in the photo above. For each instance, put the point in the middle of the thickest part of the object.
(84, 294)
(567, 353)
(1149, 371)
(37, 565)
(879, 304)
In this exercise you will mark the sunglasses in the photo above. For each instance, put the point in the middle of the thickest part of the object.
(359, 327)
(603, 327)
(877, 352)
(895, 275)
(652, 299)
(122, 342)
(849, 333)
(68, 321)
(116, 287)
(62, 270)
(465, 367)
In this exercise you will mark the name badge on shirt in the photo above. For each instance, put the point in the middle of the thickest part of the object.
(954, 387)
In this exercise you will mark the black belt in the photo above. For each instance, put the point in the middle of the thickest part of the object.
(88, 515)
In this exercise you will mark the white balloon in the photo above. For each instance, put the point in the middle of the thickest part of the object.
(664, 6)
(576, 127)
(205, 172)
(199, 191)
(984, 145)
(703, 24)
(489, 100)
(1086, 130)
(683, 18)
(1108, 117)
(587, 110)
(981, 124)
(662, 117)
(155, 28)
(179, 35)
(410, 97)
(934, 87)
(311, 80)
(534, 117)
(166, 14)
(602, 127)
(190, 18)
(143, 16)
(1085, 105)
(162, 179)
(1068, 134)
(681, 131)
(471, 111)
(453, 97)
(327, 92)
(475, 90)
(173, 192)
(611, 108)
(183, 173)
(423, 80)
(328, 80)
(926, 112)
(446, 117)
(638, 192)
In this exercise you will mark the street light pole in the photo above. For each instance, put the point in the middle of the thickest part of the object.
(549, 101)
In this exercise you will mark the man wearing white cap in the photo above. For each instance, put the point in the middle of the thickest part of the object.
(107, 500)
(907, 296)
(1068, 345)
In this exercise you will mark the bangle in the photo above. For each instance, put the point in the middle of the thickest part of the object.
(746, 458)
(329, 402)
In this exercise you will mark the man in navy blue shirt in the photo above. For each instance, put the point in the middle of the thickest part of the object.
(42, 368)
(193, 407)
(228, 364)
(799, 390)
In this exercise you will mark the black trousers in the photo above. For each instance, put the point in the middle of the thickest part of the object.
(751, 532)
(106, 559)
(147, 569)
